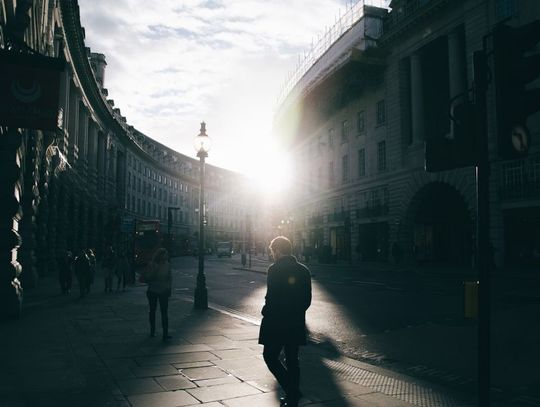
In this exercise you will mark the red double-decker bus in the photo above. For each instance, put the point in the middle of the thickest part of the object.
(148, 238)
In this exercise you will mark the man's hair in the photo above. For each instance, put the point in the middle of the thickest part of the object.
(282, 245)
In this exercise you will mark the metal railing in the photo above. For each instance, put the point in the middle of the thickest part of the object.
(520, 179)
(353, 13)
(372, 211)
(408, 9)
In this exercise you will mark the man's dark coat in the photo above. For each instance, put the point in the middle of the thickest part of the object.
(288, 296)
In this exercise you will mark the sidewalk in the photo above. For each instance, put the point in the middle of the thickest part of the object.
(97, 352)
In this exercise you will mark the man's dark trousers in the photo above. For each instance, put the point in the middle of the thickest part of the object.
(287, 376)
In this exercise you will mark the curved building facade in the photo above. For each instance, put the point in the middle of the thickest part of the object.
(83, 182)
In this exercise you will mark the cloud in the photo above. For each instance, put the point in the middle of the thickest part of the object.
(170, 66)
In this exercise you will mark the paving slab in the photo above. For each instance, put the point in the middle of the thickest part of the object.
(236, 353)
(214, 382)
(175, 382)
(259, 400)
(161, 349)
(193, 364)
(164, 399)
(223, 392)
(139, 386)
(175, 358)
(156, 370)
(201, 373)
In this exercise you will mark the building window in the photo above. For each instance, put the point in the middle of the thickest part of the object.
(381, 156)
(331, 174)
(331, 138)
(344, 131)
(345, 168)
(362, 162)
(505, 9)
(360, 122)
(381, 112)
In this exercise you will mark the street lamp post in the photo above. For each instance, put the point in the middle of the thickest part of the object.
(202, 145)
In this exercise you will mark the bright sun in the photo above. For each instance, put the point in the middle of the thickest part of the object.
(269, 171)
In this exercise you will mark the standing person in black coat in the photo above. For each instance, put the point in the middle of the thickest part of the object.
(81, 266)
(283, 326)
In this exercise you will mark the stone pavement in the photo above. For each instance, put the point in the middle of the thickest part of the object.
(96, 351)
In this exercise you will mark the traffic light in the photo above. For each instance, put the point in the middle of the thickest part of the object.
(457, 149)
(515, 67)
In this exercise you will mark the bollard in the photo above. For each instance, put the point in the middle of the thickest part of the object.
(244, 259)
(471, 299)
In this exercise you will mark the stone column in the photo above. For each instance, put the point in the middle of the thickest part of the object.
(30, 197)
(101, 164)
(10, 216)
(83, 141)
(63, 241)
(43, 213)
(73, 125)
(53, 229)
(417, 99)
(83, 224)
(92, 155)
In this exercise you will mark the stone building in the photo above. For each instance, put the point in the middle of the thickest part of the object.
(80, 182)
(363, 102)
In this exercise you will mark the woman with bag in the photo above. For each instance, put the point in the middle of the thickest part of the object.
(159, 280)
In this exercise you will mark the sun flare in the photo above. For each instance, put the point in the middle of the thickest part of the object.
(269, 171)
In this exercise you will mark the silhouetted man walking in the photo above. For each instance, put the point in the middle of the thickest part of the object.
(283, 326)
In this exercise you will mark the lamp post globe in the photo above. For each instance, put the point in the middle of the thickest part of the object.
(202, 144)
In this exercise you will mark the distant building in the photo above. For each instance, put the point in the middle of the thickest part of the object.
(356, 113)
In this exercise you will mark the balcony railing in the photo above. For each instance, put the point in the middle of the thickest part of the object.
(520, 179)
(407, 12)
(337, 216)
(315, 220)
(372, 211)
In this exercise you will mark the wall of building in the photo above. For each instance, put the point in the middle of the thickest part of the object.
(391, 208)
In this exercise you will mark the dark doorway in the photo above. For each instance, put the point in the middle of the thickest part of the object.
(373, 241)
(522, 237)
(442, 225)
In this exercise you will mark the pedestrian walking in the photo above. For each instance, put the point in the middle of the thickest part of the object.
(109, 264)
(65, 274)
(283, 326)
(81, 267)
(122, 271)
(159, 279)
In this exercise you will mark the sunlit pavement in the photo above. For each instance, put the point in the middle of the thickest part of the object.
(96, 351)
(515, 305)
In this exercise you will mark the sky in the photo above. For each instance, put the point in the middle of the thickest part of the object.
(172, 64)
